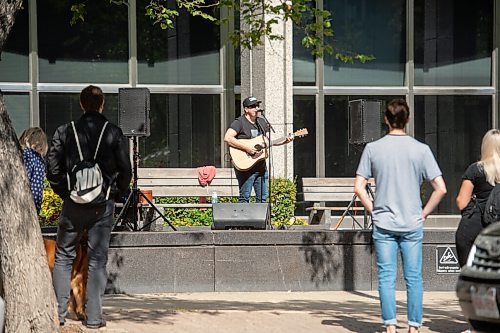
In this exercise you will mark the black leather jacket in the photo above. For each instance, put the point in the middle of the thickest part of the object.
(112, 157)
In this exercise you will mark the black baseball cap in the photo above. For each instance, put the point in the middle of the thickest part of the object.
(250, 101)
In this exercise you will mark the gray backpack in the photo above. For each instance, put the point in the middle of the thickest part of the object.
(85, 180)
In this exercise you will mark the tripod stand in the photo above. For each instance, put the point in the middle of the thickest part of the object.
(350, 208)
(133, 199)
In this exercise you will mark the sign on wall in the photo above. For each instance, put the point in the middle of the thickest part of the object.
(447, 260)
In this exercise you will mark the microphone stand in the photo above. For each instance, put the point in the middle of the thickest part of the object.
(270, 145)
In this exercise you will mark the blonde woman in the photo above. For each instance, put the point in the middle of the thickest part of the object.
(477, 183)
(34, 145)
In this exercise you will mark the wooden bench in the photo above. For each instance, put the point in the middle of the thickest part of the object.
(178, 183)
(183, 182)
(339, 193)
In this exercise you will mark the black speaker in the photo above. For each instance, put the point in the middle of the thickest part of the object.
(365, 119)
(133, 111)
(240, 215)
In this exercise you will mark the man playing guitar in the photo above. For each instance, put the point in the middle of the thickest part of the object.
(250, 126)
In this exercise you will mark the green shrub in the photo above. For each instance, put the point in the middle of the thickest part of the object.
(283, 198)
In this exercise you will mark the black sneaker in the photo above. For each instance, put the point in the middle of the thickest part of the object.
(96, 326)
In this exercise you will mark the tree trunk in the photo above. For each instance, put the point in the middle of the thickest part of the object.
(25, 281)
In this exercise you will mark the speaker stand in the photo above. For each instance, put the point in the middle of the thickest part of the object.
(133, 199)
(347, 211)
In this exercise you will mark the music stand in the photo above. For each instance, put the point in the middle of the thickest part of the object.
(134, 196)
(349, 208)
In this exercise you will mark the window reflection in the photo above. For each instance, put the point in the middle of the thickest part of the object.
(304, 149)
(14, 61)
(60, 108)
(453, 42)
(186, 54)
(453, 126)
(18, 108)
(368, 27)
(304, 68)
(185, 132)
(95, 50)
(341, 157)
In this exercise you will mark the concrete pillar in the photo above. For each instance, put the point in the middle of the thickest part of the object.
(266, 73)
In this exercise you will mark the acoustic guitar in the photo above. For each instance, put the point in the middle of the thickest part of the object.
(243, 161)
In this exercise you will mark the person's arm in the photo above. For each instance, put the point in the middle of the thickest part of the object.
(230, 138)
(464, 194)
(360, 190)
(56, 167)
(439, 192)
(285, 140)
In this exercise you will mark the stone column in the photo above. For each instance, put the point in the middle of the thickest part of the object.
(266, 73)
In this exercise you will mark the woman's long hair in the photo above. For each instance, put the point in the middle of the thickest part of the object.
(36, 139)
(490, 156)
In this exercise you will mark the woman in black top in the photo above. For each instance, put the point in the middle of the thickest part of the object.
(477, 183)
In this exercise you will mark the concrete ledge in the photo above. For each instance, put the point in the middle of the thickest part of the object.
(267, 260)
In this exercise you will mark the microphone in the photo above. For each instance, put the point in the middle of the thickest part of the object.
(261, 115)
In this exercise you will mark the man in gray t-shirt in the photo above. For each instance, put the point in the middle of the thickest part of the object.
(399, 164)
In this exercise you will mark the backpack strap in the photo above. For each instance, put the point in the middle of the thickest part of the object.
(99, 142)
(77, 141)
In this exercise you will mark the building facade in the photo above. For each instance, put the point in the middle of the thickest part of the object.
(440, 55)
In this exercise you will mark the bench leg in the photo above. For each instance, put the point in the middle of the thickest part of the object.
(319, 216)
(313, 217)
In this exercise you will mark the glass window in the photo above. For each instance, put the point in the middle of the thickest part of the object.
(185, 132)
(342, 157)
(453, 126)
(186, 54)
(14, 61)
(60, 108)
(18, 108)
(304, 149)
(453, 42)
(95, 50)
(369, 27)
(304, 68)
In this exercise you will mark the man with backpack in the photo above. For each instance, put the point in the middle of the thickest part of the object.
(88, 167)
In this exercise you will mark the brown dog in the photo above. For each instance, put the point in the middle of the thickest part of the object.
(79, 274)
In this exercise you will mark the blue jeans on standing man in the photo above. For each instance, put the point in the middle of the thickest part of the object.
(386, 248)
(74, 219)
(258, 180)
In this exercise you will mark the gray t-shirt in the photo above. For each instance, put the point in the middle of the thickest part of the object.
(399, 164)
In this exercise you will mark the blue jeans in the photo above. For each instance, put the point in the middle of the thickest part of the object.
(73, 221)
(258, 180)
(386, 248)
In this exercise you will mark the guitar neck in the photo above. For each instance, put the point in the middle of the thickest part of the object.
(276, 141)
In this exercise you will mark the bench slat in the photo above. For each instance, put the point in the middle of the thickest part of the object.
(333, 197)
(343, 181)
(180, 173)
(192, 191)
(184, 182)
(326, 189)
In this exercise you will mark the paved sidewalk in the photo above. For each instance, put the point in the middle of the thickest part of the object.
(276, 312)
